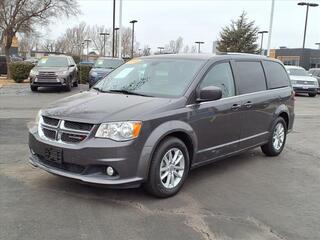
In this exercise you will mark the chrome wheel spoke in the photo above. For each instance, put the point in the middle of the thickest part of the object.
(172, 168)
(278, 136)
(163, 176)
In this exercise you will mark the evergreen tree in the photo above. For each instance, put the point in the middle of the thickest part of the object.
(240, 36)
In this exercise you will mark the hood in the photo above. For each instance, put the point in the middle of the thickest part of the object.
(95, 107)
(50, 69)
(303, 78)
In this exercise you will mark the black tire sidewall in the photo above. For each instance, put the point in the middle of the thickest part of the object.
(154, 176)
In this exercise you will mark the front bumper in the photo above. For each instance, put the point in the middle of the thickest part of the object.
(87, 162)
(59, 81)
(305, 88)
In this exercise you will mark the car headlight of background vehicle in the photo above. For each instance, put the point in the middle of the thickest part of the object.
(34, 72)
(119, 131)
(94, 74)
(63, 73)
(293, 82)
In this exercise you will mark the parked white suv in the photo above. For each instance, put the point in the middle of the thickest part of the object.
(301, 81)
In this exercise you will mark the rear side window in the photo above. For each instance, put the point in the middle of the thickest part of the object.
(276, 75)
(251, 77)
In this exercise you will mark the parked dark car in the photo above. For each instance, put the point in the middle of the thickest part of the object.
(315, 72)
(3, 65)
(54, 71)
(102, 67)
(155, 118)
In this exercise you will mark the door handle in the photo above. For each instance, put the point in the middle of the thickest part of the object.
(235, 107)
(248, 104)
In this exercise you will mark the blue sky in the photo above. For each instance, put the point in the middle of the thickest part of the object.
(163, 20)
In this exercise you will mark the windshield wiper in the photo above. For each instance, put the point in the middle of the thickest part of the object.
(99, 89)
(129, 92)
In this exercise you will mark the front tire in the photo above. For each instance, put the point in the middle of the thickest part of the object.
(68, 87)
(169, 168)
(277, 138)
(33, 88)
(312, 94)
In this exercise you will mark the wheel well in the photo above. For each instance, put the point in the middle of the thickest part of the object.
(186, 139)
(285, 116)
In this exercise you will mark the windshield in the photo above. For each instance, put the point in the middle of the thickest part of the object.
(108, 63)
(53, 62)
(152, 77)
(297, 72)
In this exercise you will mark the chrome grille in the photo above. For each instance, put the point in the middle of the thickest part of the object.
(47, 77)
(305, 82)
(64, 131)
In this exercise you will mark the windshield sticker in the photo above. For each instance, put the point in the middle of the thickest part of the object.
(134, 61)
(125, 72)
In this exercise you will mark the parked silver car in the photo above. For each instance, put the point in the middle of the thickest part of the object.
(301, 81)
(315, 72)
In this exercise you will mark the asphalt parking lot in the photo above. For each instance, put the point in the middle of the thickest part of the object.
(244, 197)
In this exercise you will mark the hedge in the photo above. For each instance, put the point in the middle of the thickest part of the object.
(20, 70)
(83, 73)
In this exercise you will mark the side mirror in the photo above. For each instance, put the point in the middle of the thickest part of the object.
(209, 93)
(71, 65)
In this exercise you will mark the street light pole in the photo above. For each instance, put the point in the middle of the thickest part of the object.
(306, 21)
(199, 43)
(116, 42)
(261, 47)
(160, 48)
(104, 42)
(270, 27)
(132, 37)
(113, 26)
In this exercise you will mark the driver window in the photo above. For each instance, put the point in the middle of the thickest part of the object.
(220, 76)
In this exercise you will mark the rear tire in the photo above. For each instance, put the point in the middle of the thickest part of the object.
(167, 174)
(312, 94)
(33, 88)
(277, 138)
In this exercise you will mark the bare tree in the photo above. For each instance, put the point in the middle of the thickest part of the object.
(126, 42)
(28, 41)
(186, 49)
(146, 51)
(193, 49)
(174, 46)
(97, 39)
(23, 15)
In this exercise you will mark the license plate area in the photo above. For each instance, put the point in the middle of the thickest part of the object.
(305, 87)
(53, 155)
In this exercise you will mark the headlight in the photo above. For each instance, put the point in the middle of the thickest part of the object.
(293, 82)
(119, 131)
(94, 74)
(62, 73)
(33, 72)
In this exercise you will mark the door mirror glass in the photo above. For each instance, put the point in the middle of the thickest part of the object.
(209, 93)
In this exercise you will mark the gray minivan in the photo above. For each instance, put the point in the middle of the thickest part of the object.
(155, 118)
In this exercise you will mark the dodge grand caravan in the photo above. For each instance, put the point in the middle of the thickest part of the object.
(155, 118)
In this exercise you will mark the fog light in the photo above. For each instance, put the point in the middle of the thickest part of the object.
(110, 171)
